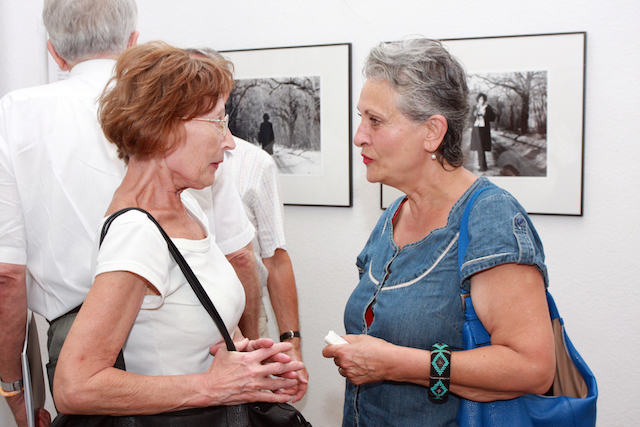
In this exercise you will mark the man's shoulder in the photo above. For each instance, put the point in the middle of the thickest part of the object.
(29, 93)
(75, 88)
(244, 145)
(86, 82)
(247, 149)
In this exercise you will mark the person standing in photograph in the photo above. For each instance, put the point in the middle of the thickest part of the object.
(265, 136)
(481, 132)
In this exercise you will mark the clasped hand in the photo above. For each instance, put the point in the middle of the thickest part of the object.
(259, 371)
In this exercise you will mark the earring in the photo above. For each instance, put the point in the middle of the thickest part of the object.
(433, 156)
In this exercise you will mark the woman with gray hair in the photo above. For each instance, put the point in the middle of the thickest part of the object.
(404, 360)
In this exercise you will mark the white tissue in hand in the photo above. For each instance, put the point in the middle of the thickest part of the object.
(332, 338)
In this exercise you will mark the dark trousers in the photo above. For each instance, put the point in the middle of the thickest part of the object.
(58, 331)
(482, 160)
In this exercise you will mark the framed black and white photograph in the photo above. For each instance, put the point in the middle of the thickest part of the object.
(526, 117)
(294, 103)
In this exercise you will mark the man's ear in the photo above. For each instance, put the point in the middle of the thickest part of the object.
(64, 66)
(133, 39)
(436, 130)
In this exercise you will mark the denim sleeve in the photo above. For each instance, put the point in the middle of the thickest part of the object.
(501, 232)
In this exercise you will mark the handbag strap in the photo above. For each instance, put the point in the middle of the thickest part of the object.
(463, 237)
(479, 334)
(186, 270)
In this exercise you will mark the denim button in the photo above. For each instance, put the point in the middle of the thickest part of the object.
(520, 221)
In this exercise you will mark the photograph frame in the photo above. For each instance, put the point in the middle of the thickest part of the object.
(333, 186)
(563, 56)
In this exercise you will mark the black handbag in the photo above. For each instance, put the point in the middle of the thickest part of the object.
(257, 414)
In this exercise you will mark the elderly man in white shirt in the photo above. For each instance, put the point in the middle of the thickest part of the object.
(57, 177)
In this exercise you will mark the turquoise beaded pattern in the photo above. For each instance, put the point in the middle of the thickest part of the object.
(440, 371)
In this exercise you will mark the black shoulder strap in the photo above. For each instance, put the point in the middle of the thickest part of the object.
(186, 270)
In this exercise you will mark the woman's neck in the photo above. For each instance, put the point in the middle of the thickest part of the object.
(429, 201)
(147, 184)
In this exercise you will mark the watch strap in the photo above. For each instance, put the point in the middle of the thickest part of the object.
(289, 334)
(11, 389)
(12, 386)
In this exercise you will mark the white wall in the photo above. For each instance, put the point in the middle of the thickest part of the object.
(592, 259)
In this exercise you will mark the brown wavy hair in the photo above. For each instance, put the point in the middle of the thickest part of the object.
(155, 88)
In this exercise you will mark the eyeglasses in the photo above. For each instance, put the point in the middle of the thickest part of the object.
(224, 123)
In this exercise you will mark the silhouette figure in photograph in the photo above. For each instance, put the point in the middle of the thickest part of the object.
(265, 136)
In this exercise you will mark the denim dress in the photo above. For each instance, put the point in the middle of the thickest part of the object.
(414, 293)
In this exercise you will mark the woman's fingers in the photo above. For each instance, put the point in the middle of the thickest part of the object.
(279, 357)
(264, 370)
(291, 375)
(283, 369)
(276, 390)
(259, 343)
(261, 369)
(273, 354)
(242, 344)
(362, 361)
(296, 392)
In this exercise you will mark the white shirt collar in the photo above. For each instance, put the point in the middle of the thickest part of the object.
(92, 66)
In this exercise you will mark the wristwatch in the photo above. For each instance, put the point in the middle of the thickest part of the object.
(289, 334)
(12, 388)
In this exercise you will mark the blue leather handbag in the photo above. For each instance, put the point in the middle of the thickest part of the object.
(572, 399)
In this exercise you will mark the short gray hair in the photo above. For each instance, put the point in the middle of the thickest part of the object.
(429, 81)
(210, 53)
(81, 29)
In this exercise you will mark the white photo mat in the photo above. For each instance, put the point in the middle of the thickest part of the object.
(563, 56)
(333, 187)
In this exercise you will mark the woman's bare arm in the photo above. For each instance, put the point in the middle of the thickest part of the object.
(510, 301)
(86, 381)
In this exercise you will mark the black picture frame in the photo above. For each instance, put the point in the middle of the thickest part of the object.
(545, 173)
(314, 152)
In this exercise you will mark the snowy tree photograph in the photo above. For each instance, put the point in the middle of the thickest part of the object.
(281, 115)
